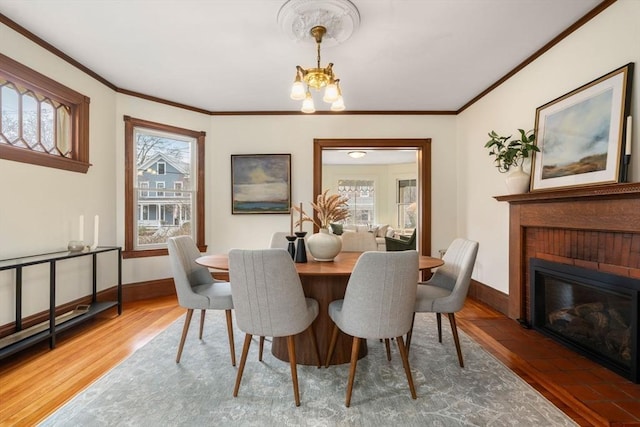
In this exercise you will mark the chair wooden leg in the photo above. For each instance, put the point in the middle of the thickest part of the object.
(407, 369)
(261, 349)
(232, 347)
(243, 360)
(332, 345)
(355, 349)
(314, 341)
(388, 347)
(454, 330)
(439, 322)
(291, 346)
(202, 313)
(410, 333)
(185, 329)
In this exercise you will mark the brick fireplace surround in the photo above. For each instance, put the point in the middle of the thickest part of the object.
(596, 228)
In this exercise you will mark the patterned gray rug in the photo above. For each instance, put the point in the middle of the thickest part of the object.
(150, 389)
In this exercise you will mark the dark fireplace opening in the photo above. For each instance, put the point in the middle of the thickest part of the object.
(591, 312)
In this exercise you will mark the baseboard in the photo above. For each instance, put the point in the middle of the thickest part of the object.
(495, 299)
(148, 289)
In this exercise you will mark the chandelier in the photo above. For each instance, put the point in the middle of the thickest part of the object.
(331, 21)
(317, 78)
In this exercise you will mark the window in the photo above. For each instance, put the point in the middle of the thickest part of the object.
(177, 186)
(361, 199)
(407, 197)
(160, 184)
(41, 121)
(176, 154)
(143, 184)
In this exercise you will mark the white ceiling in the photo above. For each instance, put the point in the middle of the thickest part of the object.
(231, 55)
(373, 157)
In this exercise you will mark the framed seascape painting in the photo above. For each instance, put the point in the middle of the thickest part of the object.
(580, 134)
(260, 183)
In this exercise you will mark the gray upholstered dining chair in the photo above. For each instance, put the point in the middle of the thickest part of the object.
(197, 289)
(269, 301)
(279, 240)
(447, 289)
(378, 303)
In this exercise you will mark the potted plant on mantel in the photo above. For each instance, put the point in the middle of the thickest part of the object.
(509, 157)
(330, 209)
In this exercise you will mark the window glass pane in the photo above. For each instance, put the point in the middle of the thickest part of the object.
(46, 126)
(163, 161)
(9, 96)
(361, 200)
(407, 207)
(30, 121)
(63, 130)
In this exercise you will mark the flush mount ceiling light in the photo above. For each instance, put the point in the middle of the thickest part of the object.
(332, 21)
(357, 154)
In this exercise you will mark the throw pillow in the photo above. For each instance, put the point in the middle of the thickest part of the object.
(382, 230)
(336, 229)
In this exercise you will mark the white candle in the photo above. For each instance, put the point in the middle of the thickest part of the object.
(96, 227)
(81, 229)
(627, 144)
(301, 216)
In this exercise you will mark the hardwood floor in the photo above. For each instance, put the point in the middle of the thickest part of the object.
(36, 382)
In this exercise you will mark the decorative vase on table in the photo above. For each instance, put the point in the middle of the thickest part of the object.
(324, 246)
(517, 181)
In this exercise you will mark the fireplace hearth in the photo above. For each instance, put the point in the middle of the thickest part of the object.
(591, 312)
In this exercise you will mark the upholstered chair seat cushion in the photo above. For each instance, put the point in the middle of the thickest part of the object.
(218, 295)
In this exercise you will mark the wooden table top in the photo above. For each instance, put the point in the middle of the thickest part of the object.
(342, 265)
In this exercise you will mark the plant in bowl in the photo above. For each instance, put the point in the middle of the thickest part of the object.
(329, 209)
(511, 152)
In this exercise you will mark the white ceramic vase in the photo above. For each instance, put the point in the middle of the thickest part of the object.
(324, 246)
(517, 181)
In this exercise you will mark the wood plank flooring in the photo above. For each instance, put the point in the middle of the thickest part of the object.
(36, 382)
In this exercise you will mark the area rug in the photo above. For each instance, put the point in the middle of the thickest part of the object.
(150, 389)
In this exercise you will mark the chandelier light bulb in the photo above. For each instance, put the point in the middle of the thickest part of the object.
(331, 93)
(338, 104)
(307, 104)
(297, 90)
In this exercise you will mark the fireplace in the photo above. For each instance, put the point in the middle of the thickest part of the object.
(592, 312)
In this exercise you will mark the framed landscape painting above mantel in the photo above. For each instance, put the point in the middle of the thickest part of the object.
(260, 183)
(581, 134)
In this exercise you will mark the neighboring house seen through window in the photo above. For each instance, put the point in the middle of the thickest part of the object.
(164, 158)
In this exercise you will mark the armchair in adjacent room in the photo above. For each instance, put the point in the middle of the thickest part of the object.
(402, 243)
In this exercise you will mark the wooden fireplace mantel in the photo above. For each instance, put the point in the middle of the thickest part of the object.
(594, 226)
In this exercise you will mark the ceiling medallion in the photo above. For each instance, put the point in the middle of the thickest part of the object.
(340, 18)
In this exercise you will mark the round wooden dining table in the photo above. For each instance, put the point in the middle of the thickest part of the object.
(325, 282)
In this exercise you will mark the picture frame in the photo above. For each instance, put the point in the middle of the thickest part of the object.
(261, 183)
(581, 134)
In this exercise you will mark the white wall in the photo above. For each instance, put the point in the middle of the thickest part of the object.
(609, 41)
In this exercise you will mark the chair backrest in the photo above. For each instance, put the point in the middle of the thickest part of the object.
(381, 294)
(279, 240)
(358, 241)
(267, 293)
(183, 253)
(455, 274)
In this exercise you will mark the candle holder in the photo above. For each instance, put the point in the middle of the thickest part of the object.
(291, 247)
(626, 160)
(75, 246)
(301, 250)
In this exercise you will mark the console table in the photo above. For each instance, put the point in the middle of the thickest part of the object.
(26, 337)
